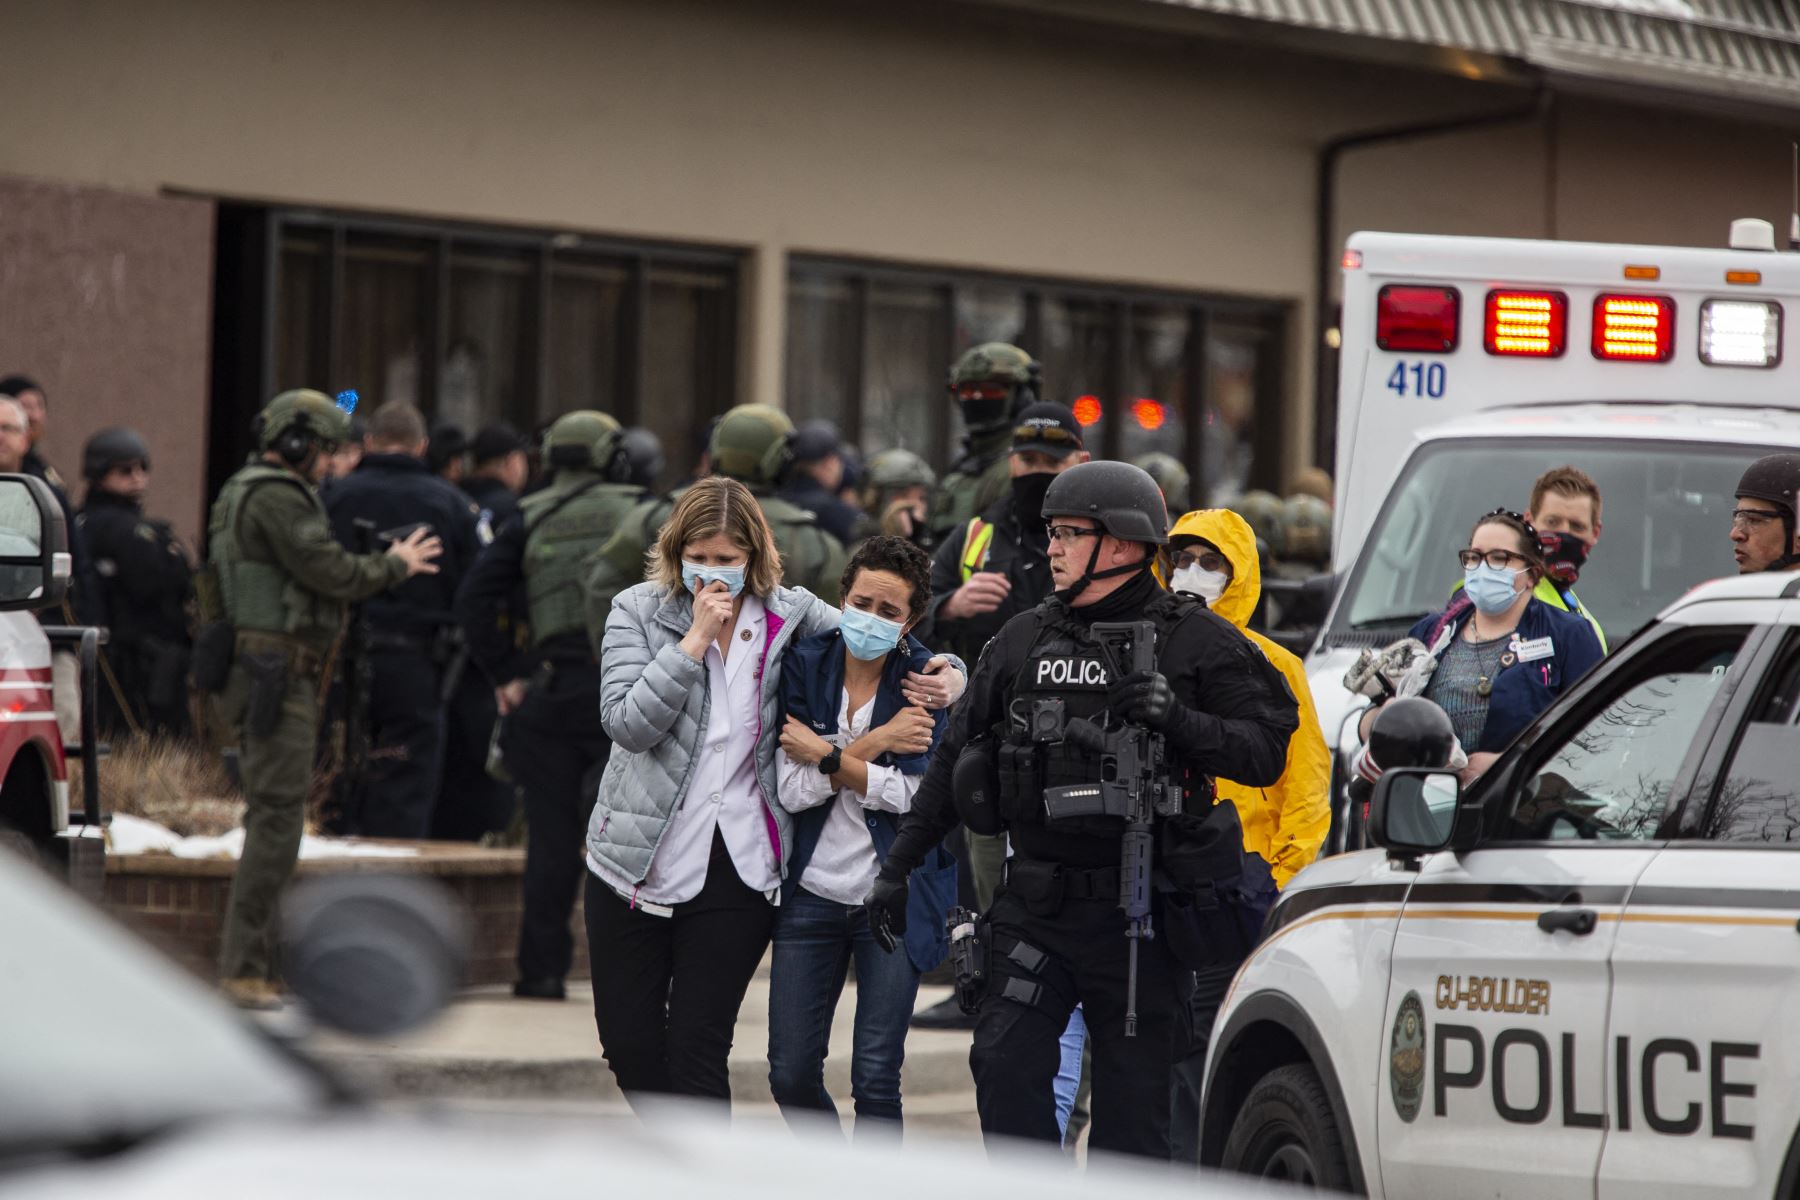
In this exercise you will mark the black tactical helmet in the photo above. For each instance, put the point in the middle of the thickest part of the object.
(1123, 499)
(1412, 732)
(110, 447)
(644, 456)
(1775, 478)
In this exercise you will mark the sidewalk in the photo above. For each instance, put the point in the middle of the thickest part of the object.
(489, 1046)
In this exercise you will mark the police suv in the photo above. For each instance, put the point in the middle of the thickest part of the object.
(1472, 365)
(1572, 979)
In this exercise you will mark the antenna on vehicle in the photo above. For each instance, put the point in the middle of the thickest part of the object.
(1794, 212)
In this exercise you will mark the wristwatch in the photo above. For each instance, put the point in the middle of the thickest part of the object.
(831, 762)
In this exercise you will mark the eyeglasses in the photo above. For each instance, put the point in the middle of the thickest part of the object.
(1752, 518)
(1067, 534)
(1206, 560)
(983, 391)
(1497, 559)
(1044, 433)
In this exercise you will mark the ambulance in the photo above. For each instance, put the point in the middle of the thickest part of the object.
(1472, 365)
(34, 776)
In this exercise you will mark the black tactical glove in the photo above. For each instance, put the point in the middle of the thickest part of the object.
(886, 906)
(1146, 699)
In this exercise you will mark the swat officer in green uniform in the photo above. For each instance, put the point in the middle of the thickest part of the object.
(274, 600)
(753, 444)
(548, 696)
(991, 384)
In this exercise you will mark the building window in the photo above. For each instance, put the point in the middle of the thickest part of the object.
(475, 323)
(1199, 377)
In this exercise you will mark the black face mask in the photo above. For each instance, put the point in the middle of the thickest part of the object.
(982, 416)
(1564, 556)
(1028, 501)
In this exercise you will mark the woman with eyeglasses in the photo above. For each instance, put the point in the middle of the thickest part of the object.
(1503, 656)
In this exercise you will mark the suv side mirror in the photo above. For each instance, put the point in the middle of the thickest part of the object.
(1413, 810)
(34, 545)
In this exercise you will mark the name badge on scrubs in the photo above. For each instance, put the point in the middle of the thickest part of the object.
(1535, 648)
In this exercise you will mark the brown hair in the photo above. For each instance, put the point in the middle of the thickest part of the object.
(397, 423)
(1528, 538)
(1565, 481)
(716, 505)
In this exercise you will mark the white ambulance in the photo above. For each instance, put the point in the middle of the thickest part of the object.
(1472, 365)
(1576, 979)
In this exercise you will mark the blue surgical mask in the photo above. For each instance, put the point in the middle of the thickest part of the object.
(867, 636)
(1492, 589)
(695, 576)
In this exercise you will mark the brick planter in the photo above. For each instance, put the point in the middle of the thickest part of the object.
(179, 903)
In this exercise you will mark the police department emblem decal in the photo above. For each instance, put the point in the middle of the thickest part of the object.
(1406, 1057)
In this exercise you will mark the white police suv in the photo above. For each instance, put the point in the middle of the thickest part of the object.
(1573, 979)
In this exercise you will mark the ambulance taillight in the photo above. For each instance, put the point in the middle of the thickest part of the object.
(1526, 324)
(1740, 333)
(1421, 320)
(1630, 328)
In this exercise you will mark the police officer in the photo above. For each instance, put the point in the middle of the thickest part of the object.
(816, 478)
(548, 698)
(896, 497)
(146, 579)
(991, 384)
(1056, 930)
(992, 569)
(283, 582)
(498, 475)
(753, 444)
(1170, 476)
(1764, 533)
(408, 632)
(644, 451)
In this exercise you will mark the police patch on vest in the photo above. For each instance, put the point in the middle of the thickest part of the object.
(1067, 672)
(1406, 1058)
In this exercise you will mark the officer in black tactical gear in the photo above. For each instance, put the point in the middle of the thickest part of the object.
(1060, 695)
(147, 580)
(408, 632)
(498, 474)
(1765, 535)
(548, 696)
(644, 451)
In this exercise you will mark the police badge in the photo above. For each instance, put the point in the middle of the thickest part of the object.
(1406, 1058)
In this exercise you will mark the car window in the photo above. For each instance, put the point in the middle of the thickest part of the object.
(1758, 799)
(1611, 776)
(1665, 526)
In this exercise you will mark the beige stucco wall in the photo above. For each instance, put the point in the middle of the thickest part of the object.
(927, 132)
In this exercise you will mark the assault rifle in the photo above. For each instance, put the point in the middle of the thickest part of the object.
(1134, 784)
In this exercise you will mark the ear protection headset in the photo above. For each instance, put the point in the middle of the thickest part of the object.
(295, 443)
(777, 459)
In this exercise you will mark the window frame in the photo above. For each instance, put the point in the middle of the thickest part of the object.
(1618, 673)
(1778, 647)
(1271, 320)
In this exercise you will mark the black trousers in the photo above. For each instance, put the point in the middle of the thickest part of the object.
(406, 746)
(1189, 1081)
(667, 989)
(1041, 967)
(470, 801)
(555, 749)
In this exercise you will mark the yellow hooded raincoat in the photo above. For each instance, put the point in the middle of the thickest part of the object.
(1286, 823)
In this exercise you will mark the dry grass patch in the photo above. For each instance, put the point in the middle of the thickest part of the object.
(175, 782)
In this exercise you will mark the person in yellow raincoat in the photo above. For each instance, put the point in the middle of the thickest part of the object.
(1212, 554)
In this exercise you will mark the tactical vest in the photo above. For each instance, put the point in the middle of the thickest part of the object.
(1065, 677)
(1550, 594)
(565, 526)
(259, 595)
(807, 551)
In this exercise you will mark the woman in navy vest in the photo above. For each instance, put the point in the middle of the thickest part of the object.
(853, 752)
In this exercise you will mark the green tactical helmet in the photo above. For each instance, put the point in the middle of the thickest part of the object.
(1170, 476)
(752, 444)
(1263, 511)
(583, 440)
(995, 362)
(894, 469)
(293, 421)
(1306, 529)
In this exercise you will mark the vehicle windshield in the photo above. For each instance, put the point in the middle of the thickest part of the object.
(1665, 526)
(105, 1042)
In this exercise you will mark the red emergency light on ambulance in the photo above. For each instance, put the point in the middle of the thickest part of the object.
(1470, 365)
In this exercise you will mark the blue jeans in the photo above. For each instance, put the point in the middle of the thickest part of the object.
(814, 941)
(1068, 1071)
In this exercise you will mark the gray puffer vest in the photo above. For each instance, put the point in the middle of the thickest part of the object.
(654, 703)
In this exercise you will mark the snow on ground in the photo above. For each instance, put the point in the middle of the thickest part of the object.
(134, 835)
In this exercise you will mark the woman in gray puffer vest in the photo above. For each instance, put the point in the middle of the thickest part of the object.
(688, 843)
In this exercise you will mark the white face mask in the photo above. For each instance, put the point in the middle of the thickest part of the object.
(1208, 585)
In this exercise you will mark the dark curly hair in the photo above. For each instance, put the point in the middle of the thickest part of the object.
(897, 556)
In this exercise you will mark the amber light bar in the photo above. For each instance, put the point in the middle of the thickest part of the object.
(1526, 324)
